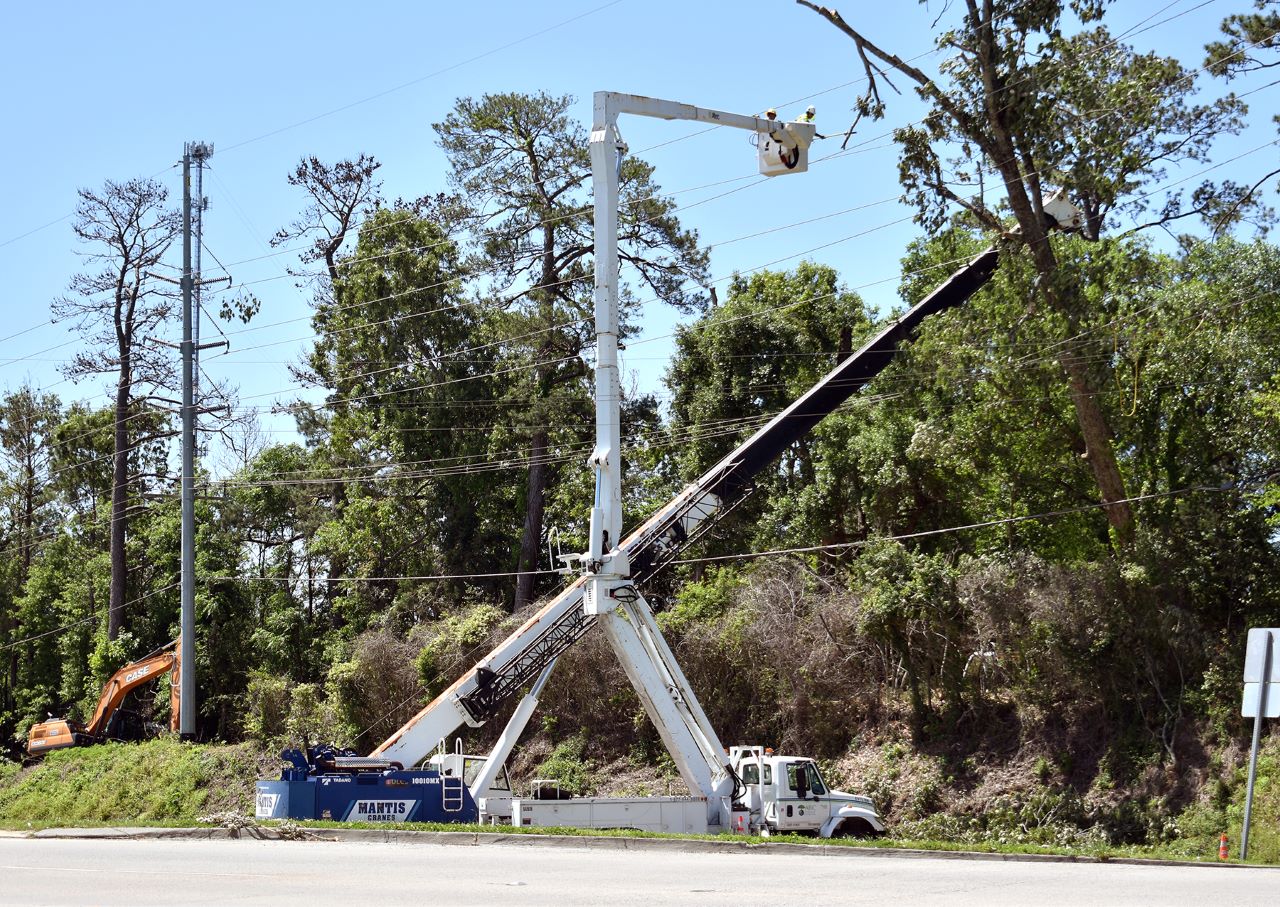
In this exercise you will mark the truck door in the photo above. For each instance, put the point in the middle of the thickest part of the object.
(803, 804)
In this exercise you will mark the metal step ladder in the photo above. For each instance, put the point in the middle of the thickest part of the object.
(451, 798)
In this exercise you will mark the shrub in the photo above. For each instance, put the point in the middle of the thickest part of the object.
(568, 765)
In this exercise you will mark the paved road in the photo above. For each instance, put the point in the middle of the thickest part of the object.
(38, 872)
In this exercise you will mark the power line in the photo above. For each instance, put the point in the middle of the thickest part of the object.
(1095, 115)
(365, 100)
(373, 579)
(419, 80)
(87, 620)
(984, 524)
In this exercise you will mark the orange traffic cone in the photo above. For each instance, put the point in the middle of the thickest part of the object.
(1222, 847)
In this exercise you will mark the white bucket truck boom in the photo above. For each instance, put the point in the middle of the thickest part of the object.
(744, 789)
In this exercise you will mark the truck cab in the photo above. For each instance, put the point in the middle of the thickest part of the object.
(787, 794)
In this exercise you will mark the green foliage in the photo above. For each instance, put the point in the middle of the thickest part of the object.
(158, 781)
(275, 712)
(770, 339)
(568, 765)
(455, 642)
(1198, 827)
(969, 638)
(702, 602)
(266, 707)
(1251, 39)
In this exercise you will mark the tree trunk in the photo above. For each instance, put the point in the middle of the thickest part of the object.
(535, 496)
(119, 503)
(535, 503)
(28, 515)
(1084, 396)
(1098, 450)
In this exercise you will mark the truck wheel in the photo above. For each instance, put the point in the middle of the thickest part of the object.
(855, 828)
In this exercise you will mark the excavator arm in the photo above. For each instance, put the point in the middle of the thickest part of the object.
(129, 678)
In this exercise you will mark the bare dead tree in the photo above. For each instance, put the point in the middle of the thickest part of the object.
(340, 194)
(125, 230)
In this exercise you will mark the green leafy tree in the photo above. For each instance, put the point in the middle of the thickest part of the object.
(1021, 108)
(520, 169)
(1249, 39)
(339, 196)
(27, 421)
(743, 362)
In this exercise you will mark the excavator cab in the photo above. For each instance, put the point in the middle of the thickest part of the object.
(110, 721)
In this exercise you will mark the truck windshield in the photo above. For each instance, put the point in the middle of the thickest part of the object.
(472, 767)
(751, 774)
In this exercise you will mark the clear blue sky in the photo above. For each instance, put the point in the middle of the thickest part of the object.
(99, 91)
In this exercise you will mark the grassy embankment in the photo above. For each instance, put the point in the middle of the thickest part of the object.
(161, 782)
(165, 783)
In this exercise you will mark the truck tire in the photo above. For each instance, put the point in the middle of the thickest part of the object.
(855, 828)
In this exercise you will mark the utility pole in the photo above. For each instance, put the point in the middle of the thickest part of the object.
(187, 701)
(198, 152)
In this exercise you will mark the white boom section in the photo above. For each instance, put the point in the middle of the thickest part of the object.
(605, 560)
(420, 735)
(670, 702)
(625, 616)
(605, 590)
(510, 734)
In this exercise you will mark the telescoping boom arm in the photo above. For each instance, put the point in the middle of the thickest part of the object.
(518, 660)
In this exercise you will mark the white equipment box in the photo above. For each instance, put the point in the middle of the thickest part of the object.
(683, 815)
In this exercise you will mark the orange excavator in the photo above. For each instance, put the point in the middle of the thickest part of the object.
(58, 733)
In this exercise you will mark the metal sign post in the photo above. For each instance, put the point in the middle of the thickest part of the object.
(1261, 674)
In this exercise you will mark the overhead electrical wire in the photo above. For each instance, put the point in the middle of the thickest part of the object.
(88, 620)
(855, 235)
(984, 524)
(1045, 356)
(365, 100)
(1139, 498)
(931, 52)
(648, 339)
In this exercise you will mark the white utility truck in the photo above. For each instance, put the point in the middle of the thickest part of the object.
(777, 795)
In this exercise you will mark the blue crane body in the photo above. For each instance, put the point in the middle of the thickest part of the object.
(334, 784)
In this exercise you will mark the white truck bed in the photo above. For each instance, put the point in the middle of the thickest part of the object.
(684, 815)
